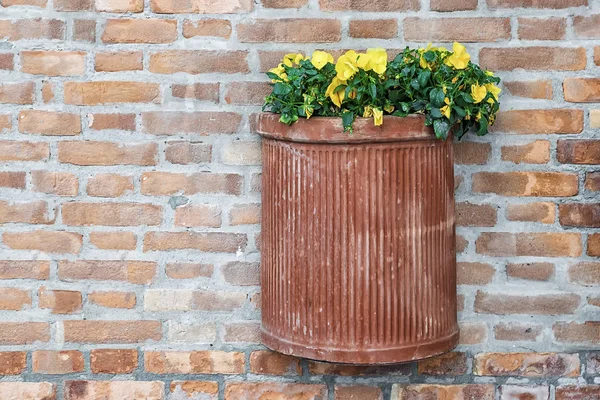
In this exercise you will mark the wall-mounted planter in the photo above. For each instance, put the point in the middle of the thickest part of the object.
(358, 244)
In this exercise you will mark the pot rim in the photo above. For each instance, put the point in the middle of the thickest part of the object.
(331, 130)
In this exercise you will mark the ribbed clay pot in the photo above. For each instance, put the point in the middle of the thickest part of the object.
(358, 246)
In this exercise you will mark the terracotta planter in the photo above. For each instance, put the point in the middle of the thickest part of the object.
(358, 244)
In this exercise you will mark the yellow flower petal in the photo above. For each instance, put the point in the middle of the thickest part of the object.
(377, 116)
(320, 59)
(478, 93)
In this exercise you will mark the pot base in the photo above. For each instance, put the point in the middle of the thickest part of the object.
(377, 356)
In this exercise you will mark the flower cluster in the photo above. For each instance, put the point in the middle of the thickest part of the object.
(452, 92)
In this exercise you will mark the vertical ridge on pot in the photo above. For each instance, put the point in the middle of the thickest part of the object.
(358, 250)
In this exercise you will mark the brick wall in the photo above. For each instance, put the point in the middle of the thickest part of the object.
(130, 199)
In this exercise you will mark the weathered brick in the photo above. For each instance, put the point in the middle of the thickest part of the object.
(207, 27)
(194, 362)
(593, 363)
(58, 183)
(474, 273)
(542, 28)
(582, 90)
(284, 3)
(125, 122)
(111, 214)
(73, 5)
(536, 58)
(514, 331)
(453, 363)
(594, 301)
(526, 364)
(262, 390)
(109, 185)
(505, 244)
(532, 212)
(453, 29)
(27, 29)
(5, 123)
(468, 214)
(470, 153)
(265, 362)
(113, 299)
(49, 123)
(593, 248)
(291, 30)
(586, 26)
(357, 392)
(107, 92)
(592, 181)
(120, 6)
(17, 93)
(113, 361)
(53, 63)
(241, 273)
(114, 390)
(57, 362)
(116, 240)
(578, 151)
(537, 152)
(369, 29)
(198, 215)
(527, 122)
(137, 272)
(199, 62)
(89, 331)
(540, 89)
(188, 153)
(167, 183)
(516, 392)
(12, 180)
(374, 6)
(201, 6)
(13, 299)
(212, 242)
(431, 391)
(585, 273)
(541, 271)
(552, 4)
(23, 151)
(203, 122)
(185, 300)
(24, 269)
(192, 332)
(245, 214)
(579, 214)
(242, 153)
(7, 61)
(28, 390)
(556, 184)
(106, 153)
(322, 368)
(242, 332)
(119, 61)
(34, 212)
(180, 270)
(247, 93)
(452, 5)
(140, 31)
(472, 333)
(60, 301)
(84, 30)
(34, 3)
(13, 333)
(578, 392)
(206, 389)
(44, 241)
(12, 363)
(544, 304)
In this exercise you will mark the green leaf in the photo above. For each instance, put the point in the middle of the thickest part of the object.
(348, 120)
(436, 113)
(373, 90)
(415, 84)
(281, 89)
(483, 127)
(424, 77)
(272, 75)
(429, 56)
(466, 97)
(459, 111)
(436, 96)
(441, 128)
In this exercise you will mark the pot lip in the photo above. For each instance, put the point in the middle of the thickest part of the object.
(330, 129)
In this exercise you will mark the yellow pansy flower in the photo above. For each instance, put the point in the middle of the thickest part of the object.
(338, 97)
(364, 62)
(460, 59)
(493, 89)
(320, 59)
(368, 112)
(292, 58)
(377, 116)
(346, 65)
(478, 116)
(446, 109)
(389, 108)
(478, 93)
(279, 71)
(378, 58)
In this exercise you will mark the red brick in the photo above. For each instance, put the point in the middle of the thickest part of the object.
(594, 301)
(111, 331)
(533, 58)
(537, 152)
(532, 212)
(12, 363)
(542, 244)
(73, 5)
(503, 304)
(291, 30)
(34, 3)
(17, 93)
(197, 91)
(242, 332)
(113, 361)
(592, 181)
(472, 333)
(60, 301)
(578, 392)
(24, 269)
(245, 214)
(194, 362)
(13, 333)
(119, 61)
(26, 29)
(247, 93)
(44, 241)
(529, 122)
(540, 271)
(515, 331)
(357, 392)
(190, 215)
(49, 123)
(582, 90)
(474, 273)
(23, 151)
(201, 7)
(84, 30)
(5, 123)
(322, 368)
(552, 4)
(211, 242)
(526, 364)
(284, 3)
(136, 272)
(7, 61)
(125, 122)
(120, 6)
(192, 332)
(373, 29)
(468, 214)
(452, 5)
(432, 391)
(113, 299)
(13, 299)
(58, 183)
(109, 185)
(453, 29)
(242, 153)
(53, 63)
(13, 180)
(187, 300)
(469, 153)
(116, 240)
(57, 362)
(579, 214)
(540, 89)
(542, 28)
(188, 153)
(167, 183)
(578, 151)
(199, 62)
(546, 184)
(207, 389)
(585, 273)
(140, 31)
(181, 270)
(28, 390)
(207, 27)
(586, 26)
(510, 392)
(241, 273)
(108, 92)
(34, 212)
(202, 122)
(265, 362)
(113, 390)
(454, 363)
(107, 153)
(263, 390)
(111, 214)
(374, 6)
(593, 248)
